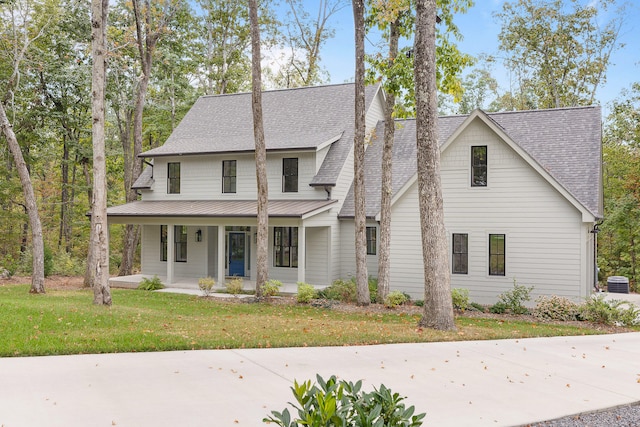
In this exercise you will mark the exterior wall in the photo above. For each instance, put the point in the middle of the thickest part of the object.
(201, 177)
(348, 259)
(546, 241)
(196, 265)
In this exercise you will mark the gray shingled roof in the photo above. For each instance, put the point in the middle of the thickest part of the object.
(294, 119)
(145, 180)
(216, 208)
(566, 142)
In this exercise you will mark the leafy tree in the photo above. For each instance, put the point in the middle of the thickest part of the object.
(620, 232)
(438, 308)
(558, 51)
(261, 152)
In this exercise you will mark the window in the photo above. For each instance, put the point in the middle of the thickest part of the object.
(285, 246)
(290, 175)
(181, 243)
(163, 243)
(228, 176)
(496, 254)
(372, 240)
(173, 178)
(460, 250)
(479, 166)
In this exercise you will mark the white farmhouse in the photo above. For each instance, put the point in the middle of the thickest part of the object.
(522, 195)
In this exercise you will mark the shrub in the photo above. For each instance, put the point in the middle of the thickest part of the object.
(373, 288)
(48, 261)
(152, 284)
(394, 299)
(478, 307)
(206, 285)
(513, 301)
(340, 290)
(460, 298)
(271, 288)
(419, 302)
(555, 308)
(597, 310)
(234, 286)
(306, 293)
(342, 403)
(65, 264)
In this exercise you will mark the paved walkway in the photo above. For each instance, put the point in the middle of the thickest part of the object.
(475, 383)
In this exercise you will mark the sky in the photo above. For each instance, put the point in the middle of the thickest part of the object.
(480, 30)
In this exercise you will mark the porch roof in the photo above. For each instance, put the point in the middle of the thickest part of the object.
(217, 208)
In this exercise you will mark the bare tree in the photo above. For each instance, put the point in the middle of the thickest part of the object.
(438, 307)
(261, 151)
(99, 268)
(362, 283)
(150, 26)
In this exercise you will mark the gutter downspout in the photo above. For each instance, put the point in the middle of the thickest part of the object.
(595, 232)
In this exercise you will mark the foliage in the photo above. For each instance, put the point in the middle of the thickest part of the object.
(65, 264)
(513, 301)
(152, 284)
(48, 261)
(557, 51)
(342, 403)
(340, 290)
(306, 293)
(395, 298)
(460, 298)
(620, 231)
(555, 308)
(206, 285)
(234, 286)
(478, 307)
(614, 312)
(271, 288)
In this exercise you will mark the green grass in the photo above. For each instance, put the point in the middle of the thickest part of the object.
(66, 322)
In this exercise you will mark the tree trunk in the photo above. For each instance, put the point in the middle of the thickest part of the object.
(387, 175)
(99, 271)
(438, 307)
(362, 282)
(37, 243)
(261, 151)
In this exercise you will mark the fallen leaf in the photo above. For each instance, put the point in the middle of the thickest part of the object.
(568, 385)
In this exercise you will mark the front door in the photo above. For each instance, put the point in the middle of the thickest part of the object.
(236, 254)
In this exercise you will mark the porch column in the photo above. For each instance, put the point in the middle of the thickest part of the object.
(302, 252)
(221, 254)
(171, 248)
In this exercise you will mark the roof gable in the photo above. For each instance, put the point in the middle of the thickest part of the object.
(563, 145)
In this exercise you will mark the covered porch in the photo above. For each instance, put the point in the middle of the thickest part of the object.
(182, 242)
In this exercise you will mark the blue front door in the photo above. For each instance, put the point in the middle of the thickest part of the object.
(236, 254)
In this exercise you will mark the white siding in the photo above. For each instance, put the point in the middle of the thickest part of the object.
(317, 268)
(196, 265)
(348, 258)
(201, 177)
(545, 245)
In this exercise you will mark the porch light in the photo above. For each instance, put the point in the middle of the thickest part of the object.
(199, 235)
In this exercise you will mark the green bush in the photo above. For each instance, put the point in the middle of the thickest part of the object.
(48, 261)
(419, 302)
(66, 265)
(206, 285)
(341, 403)
(373, 289)
(513, 301)
(306, 293)
(340, 290)
(597, 310)
(394, 299)
(555, 308)
(460, 298)
(271, 288)
(234, 286)
(152, 284)
(478, 307)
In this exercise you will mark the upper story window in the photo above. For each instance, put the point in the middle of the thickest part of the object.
(460, 253)
(479, 166)
(173, 178)
(228, 176)
(497, 255)
(290, 175)
(372, 240)
(285, 246)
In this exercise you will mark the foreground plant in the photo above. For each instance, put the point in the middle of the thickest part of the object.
(342, 403)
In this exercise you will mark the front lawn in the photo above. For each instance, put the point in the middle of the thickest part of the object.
(66, 322)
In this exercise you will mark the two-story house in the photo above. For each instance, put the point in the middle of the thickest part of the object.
(522, 194)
